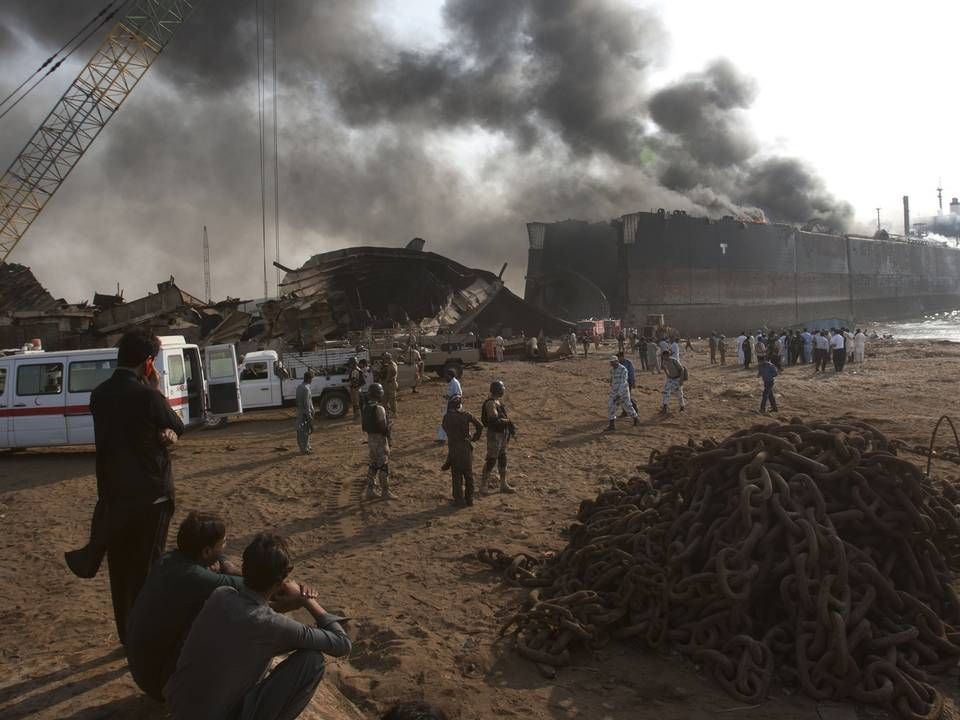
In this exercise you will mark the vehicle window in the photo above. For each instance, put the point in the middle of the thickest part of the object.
(220, 364)
(175, 372)
(87, 374)
(254, 371)
(40, 379)
(3, 380)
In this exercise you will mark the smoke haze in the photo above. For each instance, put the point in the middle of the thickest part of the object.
(527, 110)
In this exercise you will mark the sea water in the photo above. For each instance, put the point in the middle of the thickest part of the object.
(939, 326)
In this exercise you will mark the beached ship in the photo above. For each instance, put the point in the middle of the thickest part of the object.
(731, 274)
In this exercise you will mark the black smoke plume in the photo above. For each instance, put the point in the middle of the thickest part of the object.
(527, 110)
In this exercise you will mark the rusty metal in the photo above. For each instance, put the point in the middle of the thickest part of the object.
(808, 554)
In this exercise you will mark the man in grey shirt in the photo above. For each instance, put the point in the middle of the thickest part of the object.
(305, 413)
(237, 634)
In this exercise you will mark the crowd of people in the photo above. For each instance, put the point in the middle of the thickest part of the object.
(200, 632)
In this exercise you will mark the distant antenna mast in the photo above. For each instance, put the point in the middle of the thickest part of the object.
(940, 195)
(878, 219)
(206, 264)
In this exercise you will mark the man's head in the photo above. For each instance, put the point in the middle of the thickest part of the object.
(414, 710)
(202, 537)
(387, 357)
(137, 350)
(455, 403)
(620, 356)
(266, 563)
(375, 392)
(614, 361)
(451, 373)
(308, 377)
(351, 362)
(497, 388)
(665, 354)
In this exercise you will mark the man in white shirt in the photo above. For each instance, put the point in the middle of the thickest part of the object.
(821, 351)
(499, 345)
(839, 353)
(859, 345)
(740, 340)
(453, 390)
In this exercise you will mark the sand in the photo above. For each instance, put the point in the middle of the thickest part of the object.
(425, 612)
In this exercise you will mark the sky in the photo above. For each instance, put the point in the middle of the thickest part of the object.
(459, 121)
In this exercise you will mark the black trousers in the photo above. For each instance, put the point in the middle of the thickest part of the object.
(839, 359)
(820, 357)
(133, 548)
(643, 360)
(768, 397)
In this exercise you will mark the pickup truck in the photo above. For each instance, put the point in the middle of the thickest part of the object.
(269, 380)
(439, 353)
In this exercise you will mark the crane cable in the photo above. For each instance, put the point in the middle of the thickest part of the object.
(105, 14)
(276, 145)
(260, 96)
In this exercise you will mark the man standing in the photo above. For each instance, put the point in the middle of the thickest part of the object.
(573, 343)
(722, 349)
(767, 371)
(305, 413)
(713, 348)
(416, 365)
(642, 352)
(859, 345)
(376, 425)
(839, 353)
(453, 390)
(676, 375)
(621, 339)
(653, 353)
(807, 339)
(499, 344)
(388, 373)
(222, 670)
(585, 341)
(357, 381)
(133, 425)
(619, 394)
(493, 416)
(741, 341)
(456, 423)
(821, 351)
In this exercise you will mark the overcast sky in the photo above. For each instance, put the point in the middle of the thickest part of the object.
(406, 117)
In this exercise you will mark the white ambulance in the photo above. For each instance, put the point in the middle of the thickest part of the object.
(45, 396)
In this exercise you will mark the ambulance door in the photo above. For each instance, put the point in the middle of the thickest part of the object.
(223, 380)
(38, 402)
(82, 377)
(5, 402)
(174, 382)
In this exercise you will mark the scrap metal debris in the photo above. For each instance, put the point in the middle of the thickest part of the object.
(809, 553)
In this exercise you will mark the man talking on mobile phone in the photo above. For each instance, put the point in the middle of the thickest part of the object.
(133, 427)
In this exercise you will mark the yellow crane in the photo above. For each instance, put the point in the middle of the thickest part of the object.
(81, 113)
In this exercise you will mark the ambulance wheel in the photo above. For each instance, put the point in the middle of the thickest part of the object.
(335, 405)
(213, 423)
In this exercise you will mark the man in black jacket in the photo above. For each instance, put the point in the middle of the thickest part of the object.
(133, 426)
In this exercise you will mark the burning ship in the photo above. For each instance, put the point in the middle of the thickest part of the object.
(729, 274)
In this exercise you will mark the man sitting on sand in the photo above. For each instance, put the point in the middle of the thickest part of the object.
(220, 673)
(174, 591)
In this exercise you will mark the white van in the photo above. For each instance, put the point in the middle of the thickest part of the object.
(45, 396)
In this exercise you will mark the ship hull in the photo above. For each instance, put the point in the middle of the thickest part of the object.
(728, 276)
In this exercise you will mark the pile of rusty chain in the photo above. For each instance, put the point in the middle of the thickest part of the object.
(806, 553)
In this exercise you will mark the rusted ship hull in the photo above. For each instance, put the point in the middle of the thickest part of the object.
(728, 275)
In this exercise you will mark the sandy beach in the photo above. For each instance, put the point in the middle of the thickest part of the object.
(425, 614)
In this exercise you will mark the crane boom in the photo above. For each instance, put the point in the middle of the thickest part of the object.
(82, 112)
